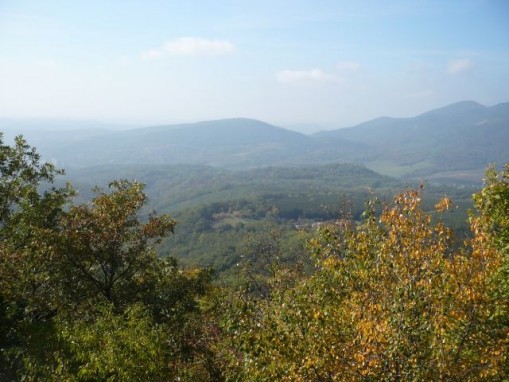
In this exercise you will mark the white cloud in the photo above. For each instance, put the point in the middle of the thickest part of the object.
(348, 66)
(190, 46)
(317, 75)
(458, 66)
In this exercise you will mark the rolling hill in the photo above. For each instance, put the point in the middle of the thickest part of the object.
(461, 136)
(453, 141)
(232, 143)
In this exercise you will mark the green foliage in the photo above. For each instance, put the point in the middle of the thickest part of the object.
(216, 208)
(28, 221)
(113, 347)
(83, 295)
(175, 187)
(390, 296)
(161, 338)
(493, 204)
(105, 248)
(123, 313)
(21, 173)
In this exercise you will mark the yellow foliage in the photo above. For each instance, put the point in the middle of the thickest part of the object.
(391, 300)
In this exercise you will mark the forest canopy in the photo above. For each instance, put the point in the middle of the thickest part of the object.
(390, 296)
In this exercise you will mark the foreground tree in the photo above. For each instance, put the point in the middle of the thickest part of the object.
(29, 211)
(106, 251)
(83, 295)
(125, 314)
(492, 202)
(391, 300)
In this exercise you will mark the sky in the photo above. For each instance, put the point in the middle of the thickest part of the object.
(305, 64)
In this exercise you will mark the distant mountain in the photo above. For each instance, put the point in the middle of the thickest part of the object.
(455, 140)
(50, 136)
(231, 143)
(464, 135)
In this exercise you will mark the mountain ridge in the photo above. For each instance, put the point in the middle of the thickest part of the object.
(462, 136)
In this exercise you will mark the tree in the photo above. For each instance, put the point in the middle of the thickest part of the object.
(106, 251)
(124, 314)
(83, 294)
(391, 300)
(492, 202)
(21, 174)
(29, 211)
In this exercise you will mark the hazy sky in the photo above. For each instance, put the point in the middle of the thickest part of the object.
(333, 63)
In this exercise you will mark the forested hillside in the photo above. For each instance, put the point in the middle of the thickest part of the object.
(212, 204)
(254, 191)
(462, 136)
(387, 294)
(453, 143)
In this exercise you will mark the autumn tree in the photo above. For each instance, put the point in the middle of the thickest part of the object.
(391, 300)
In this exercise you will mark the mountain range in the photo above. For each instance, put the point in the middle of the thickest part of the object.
(461, 138)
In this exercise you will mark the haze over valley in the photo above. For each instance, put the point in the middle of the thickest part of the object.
(238, 191)
(455, 141)
(236, 115)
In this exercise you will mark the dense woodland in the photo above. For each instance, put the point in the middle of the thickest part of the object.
(264, 275)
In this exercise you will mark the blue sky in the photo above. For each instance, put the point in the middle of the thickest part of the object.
(329, 63)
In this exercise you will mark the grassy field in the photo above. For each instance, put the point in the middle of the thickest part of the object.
(395, 170)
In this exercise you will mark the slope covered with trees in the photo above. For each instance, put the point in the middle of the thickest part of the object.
(218, 210)
(389, 295)
(461, 136)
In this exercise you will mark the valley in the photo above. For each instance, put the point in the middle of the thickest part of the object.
(226, 180)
